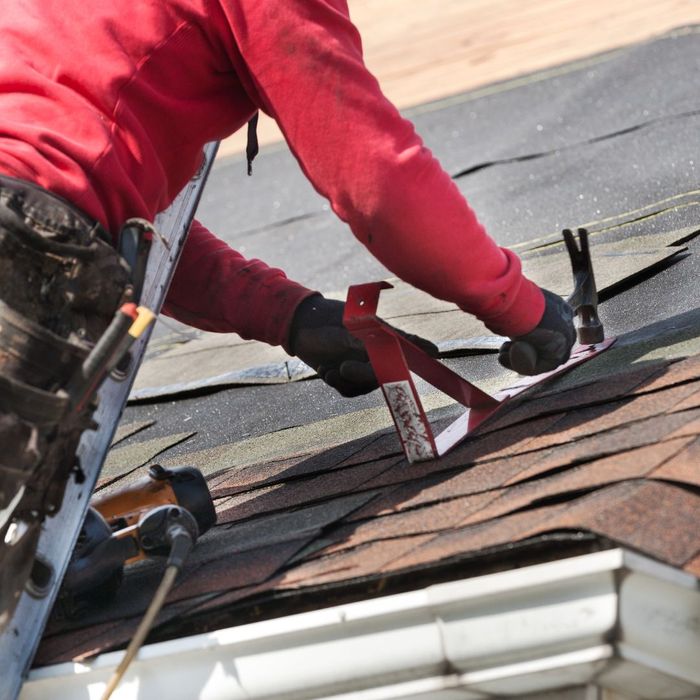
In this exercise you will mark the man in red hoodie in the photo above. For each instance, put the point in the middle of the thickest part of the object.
(104, 110)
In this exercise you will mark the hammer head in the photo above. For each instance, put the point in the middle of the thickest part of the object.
(584, 298)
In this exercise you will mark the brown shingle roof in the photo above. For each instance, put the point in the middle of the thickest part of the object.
(617, 457)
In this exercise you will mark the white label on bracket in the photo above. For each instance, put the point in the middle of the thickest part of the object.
(409, 421)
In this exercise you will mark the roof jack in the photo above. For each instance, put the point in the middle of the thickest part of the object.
(393, 358)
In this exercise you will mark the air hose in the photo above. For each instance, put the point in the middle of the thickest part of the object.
(180, 532)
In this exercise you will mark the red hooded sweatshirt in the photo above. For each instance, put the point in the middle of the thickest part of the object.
(108, 103)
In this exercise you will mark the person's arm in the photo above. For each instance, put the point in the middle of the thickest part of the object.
(217, 289)
(303, 63)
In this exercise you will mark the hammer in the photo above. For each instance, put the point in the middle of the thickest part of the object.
(584, 299)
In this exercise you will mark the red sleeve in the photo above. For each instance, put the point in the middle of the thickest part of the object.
(303, 60)
(217, 289)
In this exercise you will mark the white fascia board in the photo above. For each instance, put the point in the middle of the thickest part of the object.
(444, 687)
(541, 675)
(660, 625)
(505, 627)
(551, 625)
(637, 680)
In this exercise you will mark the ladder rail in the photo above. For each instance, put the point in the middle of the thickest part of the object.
(20, 639)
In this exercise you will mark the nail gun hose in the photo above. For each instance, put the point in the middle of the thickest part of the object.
(181, 545)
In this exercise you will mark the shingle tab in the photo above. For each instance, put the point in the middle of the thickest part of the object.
(683, 467)
(653, 518)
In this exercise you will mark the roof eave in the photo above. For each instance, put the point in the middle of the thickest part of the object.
(612, 618)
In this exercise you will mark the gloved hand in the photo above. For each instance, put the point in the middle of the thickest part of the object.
(545, 347)
(318, 338)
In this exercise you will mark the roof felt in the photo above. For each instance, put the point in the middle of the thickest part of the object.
(317, 504)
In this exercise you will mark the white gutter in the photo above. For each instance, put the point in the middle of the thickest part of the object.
(612, 618)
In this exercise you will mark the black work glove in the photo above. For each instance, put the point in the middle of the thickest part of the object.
(318, 338)
(545, 347)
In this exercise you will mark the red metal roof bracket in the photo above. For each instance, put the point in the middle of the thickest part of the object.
(393, 357)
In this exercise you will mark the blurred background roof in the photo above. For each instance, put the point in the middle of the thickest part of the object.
(429, 50)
